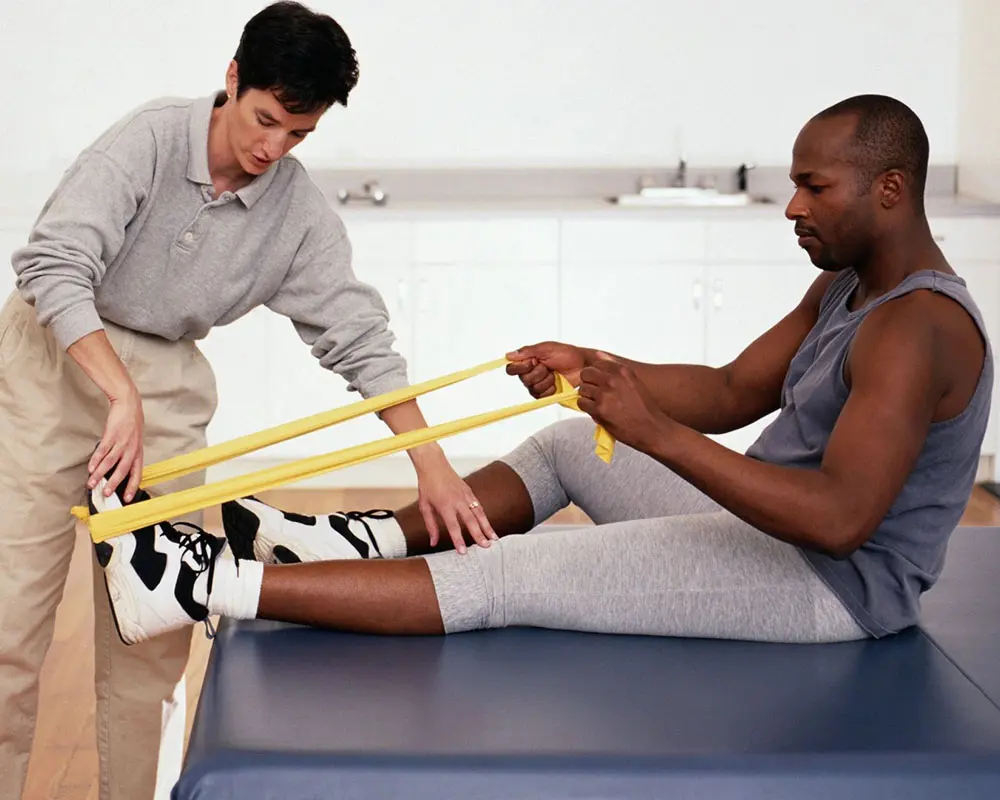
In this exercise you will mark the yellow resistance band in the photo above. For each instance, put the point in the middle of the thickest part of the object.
(109, 524)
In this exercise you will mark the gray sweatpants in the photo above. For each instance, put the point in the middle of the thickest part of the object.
(662, 558)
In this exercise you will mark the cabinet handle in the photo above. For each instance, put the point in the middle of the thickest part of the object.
(696, 294)
(717, 294)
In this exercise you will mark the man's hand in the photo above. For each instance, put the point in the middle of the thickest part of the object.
(613, 395)
(536, 364)
(121, 445)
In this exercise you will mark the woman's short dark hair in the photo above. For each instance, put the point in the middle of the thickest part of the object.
(304, 57)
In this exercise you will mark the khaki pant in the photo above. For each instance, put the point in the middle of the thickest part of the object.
(51, 418)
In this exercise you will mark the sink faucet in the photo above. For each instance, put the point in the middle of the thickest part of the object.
(680, 176)
(371, 191)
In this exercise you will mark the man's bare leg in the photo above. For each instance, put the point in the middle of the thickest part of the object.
(505, 500)
(365, 596)
(388, 596)
(261, 532)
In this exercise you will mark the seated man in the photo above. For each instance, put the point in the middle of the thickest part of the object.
(829, 528)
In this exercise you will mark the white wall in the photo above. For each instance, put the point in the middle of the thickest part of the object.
(501, 82)
(979, 100)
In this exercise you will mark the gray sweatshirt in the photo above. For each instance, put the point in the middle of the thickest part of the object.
(132, 235)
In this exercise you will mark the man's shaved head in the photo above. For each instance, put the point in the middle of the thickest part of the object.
(887, 135)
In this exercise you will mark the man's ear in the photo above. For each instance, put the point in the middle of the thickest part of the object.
(892, 184)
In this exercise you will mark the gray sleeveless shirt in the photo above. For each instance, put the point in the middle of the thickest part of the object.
(881, 582)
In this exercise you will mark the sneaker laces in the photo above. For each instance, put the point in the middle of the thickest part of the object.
(361, 516)
(204, 549)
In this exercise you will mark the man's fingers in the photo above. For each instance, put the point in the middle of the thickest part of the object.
(536, 375)
(544, 387)
(521, 367)
(594, 375)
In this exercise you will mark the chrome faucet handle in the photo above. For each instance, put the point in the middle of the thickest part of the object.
(371, 191)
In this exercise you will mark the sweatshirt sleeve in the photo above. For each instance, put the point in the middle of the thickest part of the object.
(79, 232)
(343, 320)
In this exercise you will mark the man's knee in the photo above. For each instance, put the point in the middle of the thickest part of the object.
(568, 436)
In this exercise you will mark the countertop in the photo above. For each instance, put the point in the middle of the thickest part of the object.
(941, 206)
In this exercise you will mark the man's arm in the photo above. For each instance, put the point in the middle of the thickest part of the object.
(726, 398)
(707, 399)
(898, 376)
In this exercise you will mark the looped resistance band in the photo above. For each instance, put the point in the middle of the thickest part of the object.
(109, 524)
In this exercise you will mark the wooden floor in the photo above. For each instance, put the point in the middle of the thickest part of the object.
(64, 761)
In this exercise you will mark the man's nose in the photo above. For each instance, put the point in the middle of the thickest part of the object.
(796, 209)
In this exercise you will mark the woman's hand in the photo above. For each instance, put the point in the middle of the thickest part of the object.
(443, 495)
(121, 446)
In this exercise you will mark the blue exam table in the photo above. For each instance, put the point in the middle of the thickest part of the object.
(293, 713)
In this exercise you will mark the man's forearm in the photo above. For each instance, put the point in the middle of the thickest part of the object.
(98, 359)
(692, 394)
(799, 506)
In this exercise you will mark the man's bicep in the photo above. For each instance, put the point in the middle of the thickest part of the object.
(881, 430)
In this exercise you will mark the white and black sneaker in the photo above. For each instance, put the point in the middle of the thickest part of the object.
(258, 531)
(161, 578)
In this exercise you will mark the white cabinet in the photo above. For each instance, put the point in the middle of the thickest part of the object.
(462, 290)
(241, 355)
(646, 312)
(743, 301)
(482, 289)
(634, 288)
(983, 281)
(300, 387)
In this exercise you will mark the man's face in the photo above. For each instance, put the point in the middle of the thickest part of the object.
(261, 131)
(834, 220)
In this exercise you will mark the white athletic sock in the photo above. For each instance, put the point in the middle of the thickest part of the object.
(389, 536)
(235, 588)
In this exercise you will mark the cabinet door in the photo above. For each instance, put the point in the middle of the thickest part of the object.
(240, 356)
(983, 280)
(645, 312)
(299, 386)
(744, 301)
(467, 314)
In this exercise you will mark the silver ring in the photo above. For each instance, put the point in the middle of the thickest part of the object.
(474, 504)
